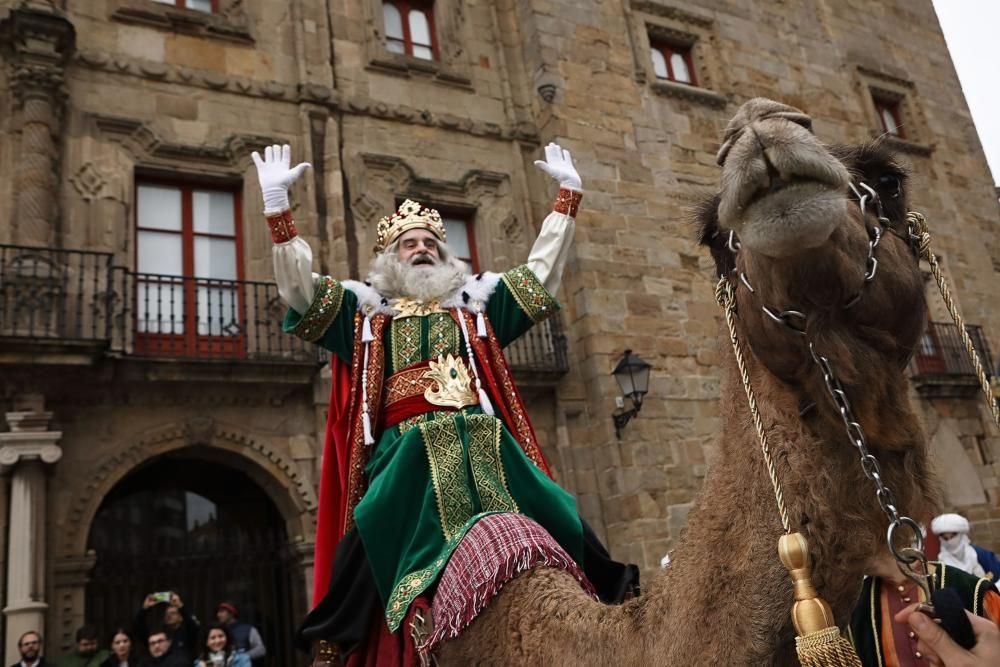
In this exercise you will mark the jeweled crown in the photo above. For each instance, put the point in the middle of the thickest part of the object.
(409, 215)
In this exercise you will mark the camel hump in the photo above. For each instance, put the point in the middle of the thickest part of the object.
(496, 549)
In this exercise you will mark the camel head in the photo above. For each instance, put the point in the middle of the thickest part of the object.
(815, 239)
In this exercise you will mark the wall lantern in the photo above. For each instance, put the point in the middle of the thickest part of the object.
(632, 374)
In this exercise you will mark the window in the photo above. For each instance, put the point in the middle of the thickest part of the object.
(889, 117)
(672, 63)
(461, 239)
(409, 28)
(188, 264)
(208, 6)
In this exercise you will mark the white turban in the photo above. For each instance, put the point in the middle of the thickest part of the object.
(957, 551)
(949, 523)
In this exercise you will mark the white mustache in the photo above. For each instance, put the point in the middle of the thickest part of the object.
(423, 258)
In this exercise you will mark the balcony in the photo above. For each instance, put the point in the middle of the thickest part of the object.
(941, 367)
(76, 307)
(539, 356)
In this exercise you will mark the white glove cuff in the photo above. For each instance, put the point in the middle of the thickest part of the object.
(275, 200)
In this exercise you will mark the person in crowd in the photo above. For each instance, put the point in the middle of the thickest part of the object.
(122, 650)
(87, 653)
(167, 611)
(883, 641)
(958, 550)
(245, 636)
(938, 648)
(30, 646)
(162, 653)
(220, 650)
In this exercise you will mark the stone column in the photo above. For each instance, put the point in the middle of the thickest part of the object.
(39, 40)
(24, 453)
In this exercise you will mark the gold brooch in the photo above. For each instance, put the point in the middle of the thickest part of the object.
(452, 386)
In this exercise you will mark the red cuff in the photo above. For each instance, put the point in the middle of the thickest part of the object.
(282, 226)
(567, 202)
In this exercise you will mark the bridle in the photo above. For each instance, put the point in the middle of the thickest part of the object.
(793, 320)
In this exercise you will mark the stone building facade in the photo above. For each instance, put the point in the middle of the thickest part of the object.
(104, 98)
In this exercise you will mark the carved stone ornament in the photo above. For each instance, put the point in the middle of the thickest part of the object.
(29, 447)
(39, 40)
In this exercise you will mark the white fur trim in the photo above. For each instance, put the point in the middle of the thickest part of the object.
(480, 287)
(369, 301)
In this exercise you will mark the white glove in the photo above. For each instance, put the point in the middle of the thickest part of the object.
(276, 177)
(558, 164)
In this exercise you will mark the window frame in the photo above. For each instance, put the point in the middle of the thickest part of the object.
(189, 343)
(467, 219)
(893, 108)
(182, 4)
(404, 7)
(668, 49)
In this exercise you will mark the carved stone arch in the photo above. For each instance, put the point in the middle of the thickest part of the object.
(500, 238)
(151, 148)
(208, 440)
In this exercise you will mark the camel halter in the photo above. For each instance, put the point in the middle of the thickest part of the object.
(819, 641)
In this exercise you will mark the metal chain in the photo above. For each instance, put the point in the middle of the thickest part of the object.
(919, 233)
(869, 464)
(726, 296)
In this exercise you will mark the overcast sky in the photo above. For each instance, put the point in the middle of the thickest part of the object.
(971, 30)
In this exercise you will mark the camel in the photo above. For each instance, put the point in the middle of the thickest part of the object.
(786, 199)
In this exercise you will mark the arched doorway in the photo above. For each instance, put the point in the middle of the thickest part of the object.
(204, 530)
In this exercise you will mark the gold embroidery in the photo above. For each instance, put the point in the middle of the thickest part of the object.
(443, 335)
(452, 386)
(405, 335)
(487, 466)
(322, 311)
(529, 293)
(407, 307)
(410, 422)
(448, 474)
(356, 484)
(406, 383)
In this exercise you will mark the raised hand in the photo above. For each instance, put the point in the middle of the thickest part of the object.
(276, 175)
(558, 164)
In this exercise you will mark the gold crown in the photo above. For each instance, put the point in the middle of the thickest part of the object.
(409, 215)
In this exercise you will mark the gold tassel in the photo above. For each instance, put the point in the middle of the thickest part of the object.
(819, 642)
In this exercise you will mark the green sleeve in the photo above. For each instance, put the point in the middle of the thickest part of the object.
(519, 302)
(329, 322)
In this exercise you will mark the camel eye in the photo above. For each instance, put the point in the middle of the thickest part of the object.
(889, 183)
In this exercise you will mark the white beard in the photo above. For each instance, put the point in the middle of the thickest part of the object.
(394, 279)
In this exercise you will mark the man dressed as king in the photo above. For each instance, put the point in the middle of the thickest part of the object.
(427, 434)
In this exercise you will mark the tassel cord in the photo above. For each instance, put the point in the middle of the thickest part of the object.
(484, 400)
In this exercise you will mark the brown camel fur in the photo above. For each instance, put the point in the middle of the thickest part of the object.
(725, 598)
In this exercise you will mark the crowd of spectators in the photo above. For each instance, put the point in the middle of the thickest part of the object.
(164, 633)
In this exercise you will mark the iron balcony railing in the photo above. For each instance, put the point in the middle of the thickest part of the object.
(941, 365)
(77, 296)
(540, 352)
(55, 295)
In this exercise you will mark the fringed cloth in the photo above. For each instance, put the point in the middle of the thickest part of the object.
(494, 551)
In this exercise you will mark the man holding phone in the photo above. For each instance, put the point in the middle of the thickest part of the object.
(166, 610)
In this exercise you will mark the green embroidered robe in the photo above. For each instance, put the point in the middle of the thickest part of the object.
(432, 476)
